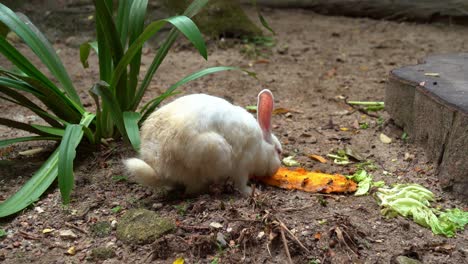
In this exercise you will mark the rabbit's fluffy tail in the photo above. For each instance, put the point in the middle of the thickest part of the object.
(142, 172)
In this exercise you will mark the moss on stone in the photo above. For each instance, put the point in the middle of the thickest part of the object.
(101, 229)
(102, 253)
(223, 18)
(141, 226)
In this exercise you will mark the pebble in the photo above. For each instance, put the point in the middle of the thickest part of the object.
(157, 205)
(221, 240)
(260, 235)
(216, 225)
(68, 234)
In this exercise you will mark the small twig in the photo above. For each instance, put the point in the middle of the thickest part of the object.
(361, 110)
(339, 234)
(292, 235)
(186, 227)
(285, 244)
(292, 209)
(76, 227)
(148, 256)
(243, 220)
(29, 236)
(268, 248)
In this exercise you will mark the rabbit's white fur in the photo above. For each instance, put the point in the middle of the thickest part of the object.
(200, 139)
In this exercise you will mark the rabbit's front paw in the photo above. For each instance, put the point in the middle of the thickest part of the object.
(246, 190)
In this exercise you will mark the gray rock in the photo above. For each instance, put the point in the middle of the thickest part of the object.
(141, 226)
(406, 260)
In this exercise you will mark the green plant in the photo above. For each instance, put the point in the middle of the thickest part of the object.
(117, 96)
(116, 209)
(181, 208)
(364, 125)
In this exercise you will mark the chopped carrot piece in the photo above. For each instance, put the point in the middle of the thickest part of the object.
(315, 182)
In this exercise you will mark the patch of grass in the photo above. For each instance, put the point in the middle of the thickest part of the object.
(101, 229)
(380, 121)
(259, 46)
(120, 178)
(404, 136)
(116, 209)
(181, 208)
(367, 165)
(102, 253)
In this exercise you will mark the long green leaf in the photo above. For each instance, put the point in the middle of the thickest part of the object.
(195, 7)
(67, 149)
(135, 28)
(20, 125)
(52, 131)
(182, 23)
(123, 15)
(55, 100)
(131, 126)
(22, 100)
(39, 183)
(104, 55)
(148, 110)
(33, 189)
(109, 30)
(261, 18)
(102, 89)
(38, 43)
(7, 142)
(85, 49)
(112, 38)
(191, 11)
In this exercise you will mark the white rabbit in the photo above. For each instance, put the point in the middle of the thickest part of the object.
(200, 139)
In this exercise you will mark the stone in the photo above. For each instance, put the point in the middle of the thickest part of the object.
(430, 102)
(142, 226)
(219, 18)
(67, 234)
(406, 260)
(102, 253)
(101, 229)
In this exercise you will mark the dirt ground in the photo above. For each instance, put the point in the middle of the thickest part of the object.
(316, 61)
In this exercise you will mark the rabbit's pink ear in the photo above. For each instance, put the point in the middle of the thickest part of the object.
(265, 106)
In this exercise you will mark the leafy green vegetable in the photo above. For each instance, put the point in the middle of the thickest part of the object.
(413, 200)
(290, 161)
(364, 181)
(116, 209)
(340, 157)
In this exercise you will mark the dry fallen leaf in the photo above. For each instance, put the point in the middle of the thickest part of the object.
(317, 236)
(47, 230)
(31, 152)
(71, 251)
(315, 182)
(318, 158)
(281, 110)
(179, 261)
(385, 139)
(216, 225)
(432, 74)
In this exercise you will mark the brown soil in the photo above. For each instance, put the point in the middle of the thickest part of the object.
(316, 60)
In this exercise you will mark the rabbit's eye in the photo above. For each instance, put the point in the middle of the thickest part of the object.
(278, 151)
